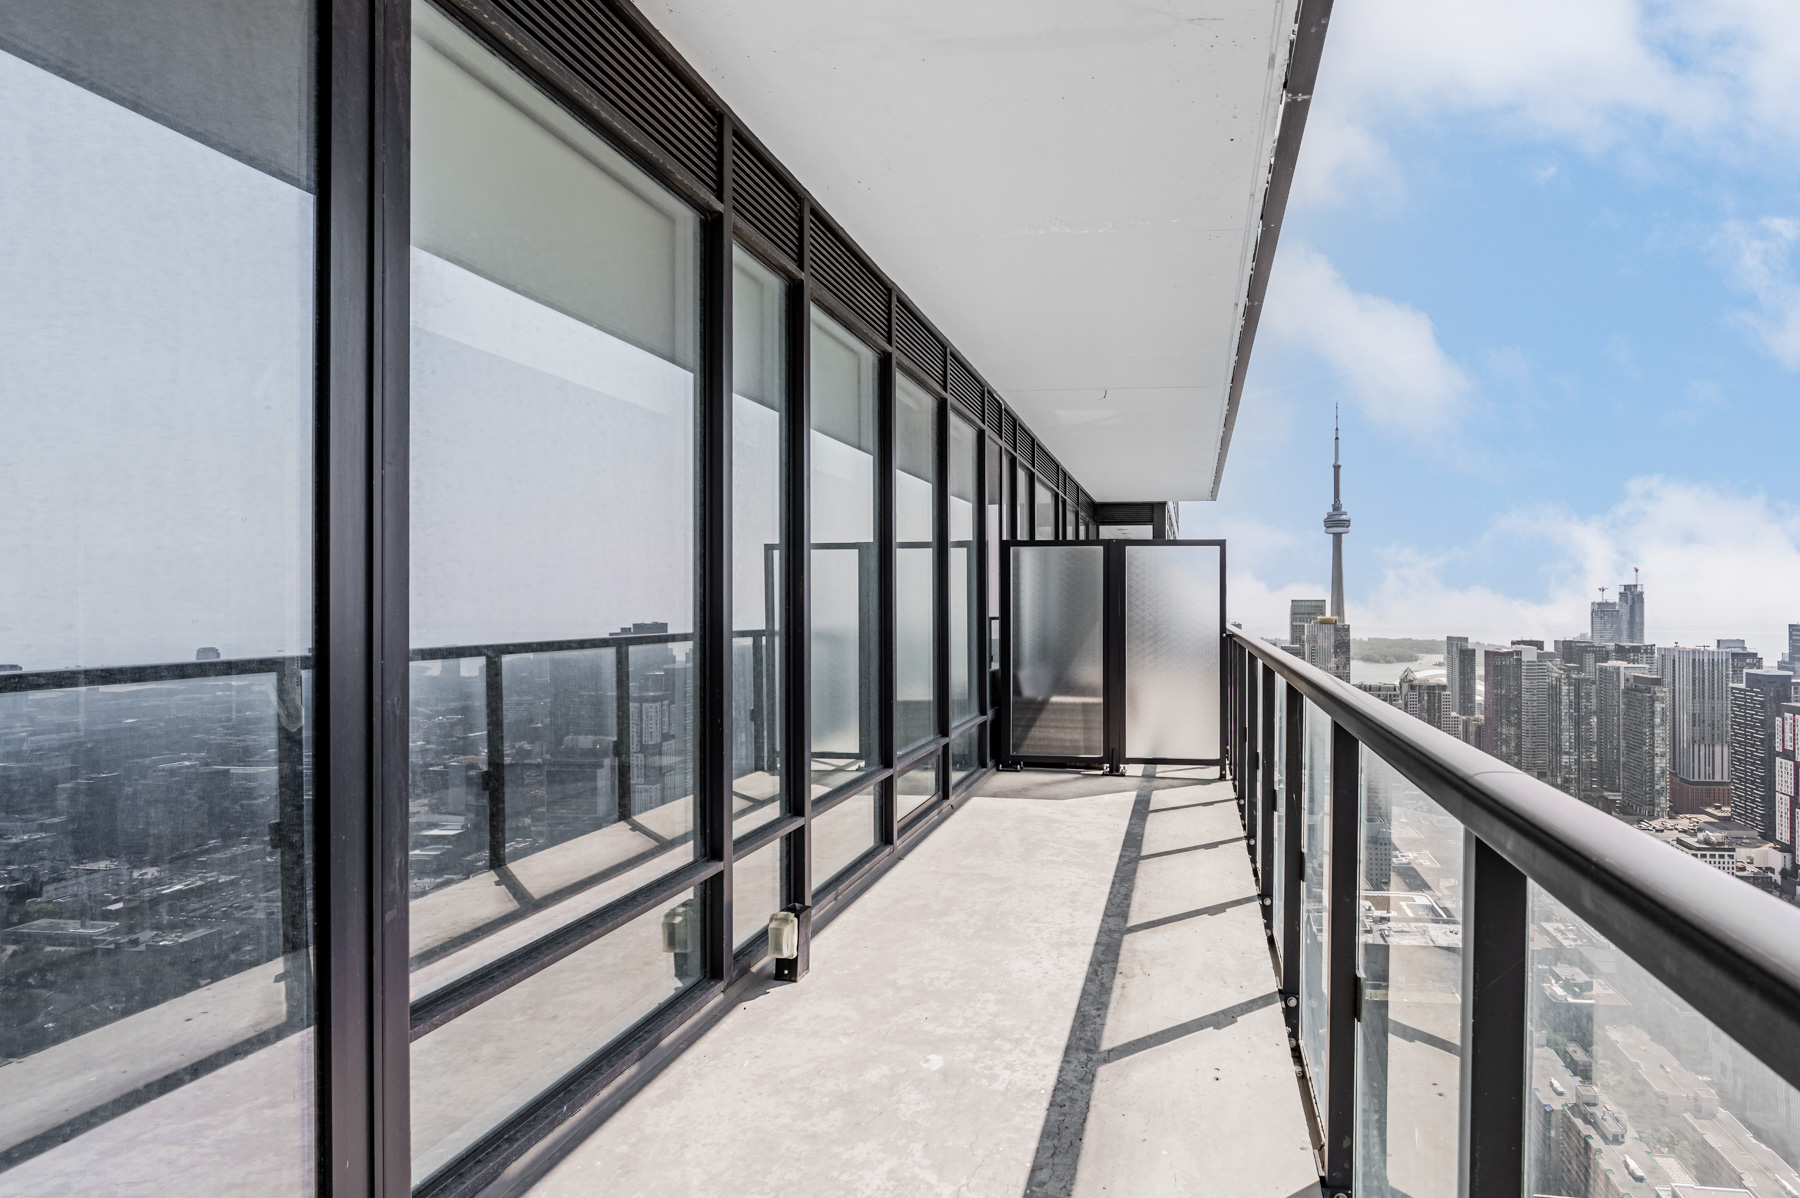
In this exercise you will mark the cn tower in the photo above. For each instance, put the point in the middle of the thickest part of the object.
(1337, 523)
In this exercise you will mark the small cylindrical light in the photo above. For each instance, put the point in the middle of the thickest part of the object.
(784, 935)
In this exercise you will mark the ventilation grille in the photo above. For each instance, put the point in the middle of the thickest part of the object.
(1124, 513)
(843, 273)
(994, 414)
(964, 387)
(764, 200)
(605, 54)
(918, 343)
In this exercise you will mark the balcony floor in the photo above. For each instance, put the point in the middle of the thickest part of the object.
(1065, 990)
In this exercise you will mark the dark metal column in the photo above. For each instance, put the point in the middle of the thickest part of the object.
(1496, 970)
(886, 552)
(1343, 915)
(360, 684)
(713, 575)
(493, 779)
(1113, 638)
(797, 648)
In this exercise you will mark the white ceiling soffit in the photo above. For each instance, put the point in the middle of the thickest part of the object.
(1071, 190)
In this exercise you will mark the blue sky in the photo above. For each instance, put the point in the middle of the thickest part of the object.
(1546, 257)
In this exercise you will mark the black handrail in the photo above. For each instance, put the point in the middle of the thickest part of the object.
(1727, 949)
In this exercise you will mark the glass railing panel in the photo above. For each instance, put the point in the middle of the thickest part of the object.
(1410, 958)
(1632, 1091)
(1315, 989)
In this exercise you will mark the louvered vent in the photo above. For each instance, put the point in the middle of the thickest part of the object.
(918, 343)
(995, 420)
(764, 199)
(964, 387)
(848, 277)
(602, 51)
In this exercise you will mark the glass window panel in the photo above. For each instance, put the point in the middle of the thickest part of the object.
(553, 407)
(1408, 1038)
(1045, 521)
(1058, 652)
(755, 891)
(758, 417)
(965, 755)
(1632, 1090)
(966, 652)
(156, 475)
(482, 1068)
(915, 574)
(999, 520)
(1021, 529)
(1314, 931)
(846, 675)
(916, 787)
(1172, 651)
(842, 835)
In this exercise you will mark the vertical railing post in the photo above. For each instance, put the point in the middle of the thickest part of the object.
(1293, 865)
(493, 779)
(1266, 809)
(623, 724)
(1496, 972)
(1343, 915)
(1253, 764)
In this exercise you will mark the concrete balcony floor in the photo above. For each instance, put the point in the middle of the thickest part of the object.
(1065, 990)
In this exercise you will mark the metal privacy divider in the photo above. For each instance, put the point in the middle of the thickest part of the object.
(1718, 945)
(1111, 653)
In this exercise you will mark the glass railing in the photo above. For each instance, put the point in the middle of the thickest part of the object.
(1493, 988)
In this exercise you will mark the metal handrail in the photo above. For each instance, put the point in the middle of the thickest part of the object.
(1727, 949)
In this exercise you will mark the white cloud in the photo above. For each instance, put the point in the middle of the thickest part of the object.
(1759, 259)
(1714, 563)
(1386, 352)
(1720, 79)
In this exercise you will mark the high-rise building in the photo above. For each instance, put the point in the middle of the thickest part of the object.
(1755, 709)
(1337, 523)
(1793, 649)
(1579, 736)
(1698, 682)
(1741, 659)
(1787, 775)
(1535, 724)
(1501, 683)
(1302, 612)
(1423, 698)
(1644, 747)
(1328, 646)
(1609, 712)
(1631, 613)
(1635, 652)
(1604, 624)
(1459, 675)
